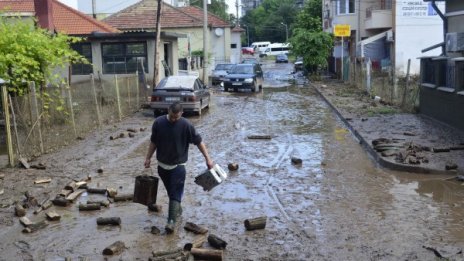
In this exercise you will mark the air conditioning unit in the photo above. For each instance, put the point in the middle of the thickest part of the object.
(454, 42)
(390, 36)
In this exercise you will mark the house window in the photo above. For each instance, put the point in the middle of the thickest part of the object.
(84, 49)
(345, 6)
(122, 58)
(233, 46)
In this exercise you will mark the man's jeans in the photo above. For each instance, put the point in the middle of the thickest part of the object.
(173, 181)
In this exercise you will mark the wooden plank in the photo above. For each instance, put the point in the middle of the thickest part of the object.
(75, 195)
(25, 221)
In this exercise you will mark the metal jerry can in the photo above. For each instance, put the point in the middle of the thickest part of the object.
(211, 178)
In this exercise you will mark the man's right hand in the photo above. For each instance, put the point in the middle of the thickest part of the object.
(147, 163)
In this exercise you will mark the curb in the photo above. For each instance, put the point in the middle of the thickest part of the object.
(370, 150)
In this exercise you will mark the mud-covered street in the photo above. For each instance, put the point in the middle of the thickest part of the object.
(336, 205)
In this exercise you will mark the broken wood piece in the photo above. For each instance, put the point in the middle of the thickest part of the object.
(408, 133)
(131, 135)
(440, 149)
(65, 192)
(103, 203)
(166, 252)
(115, 221)
(20, 211)
(196, 243)
(451, 166)
(25, 221)
(35, 226)
(457, 147)
(216, 242)
(155, 230)
(123, 197)
(53, 216)
(207, 254)
(155, 207)
(75, 195)
(259, 137)
(81, 184)
(189, 226)
(44, 206)
(132, 130)
(24, 163)
(114, 249)
(255, 223)
(232, 166)
(41, 181)
(60, 201)
(89, 207)
(96, 190)
(117, 136)
(38, 166)
(71, 186)
(296, 161)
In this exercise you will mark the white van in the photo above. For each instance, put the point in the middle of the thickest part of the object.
(260, 46)
(275, 49)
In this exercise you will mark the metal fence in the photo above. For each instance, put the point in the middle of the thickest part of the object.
(45, 119)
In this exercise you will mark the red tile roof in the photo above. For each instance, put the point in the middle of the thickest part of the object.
(142, 15)
(66, 19)
(238, 29)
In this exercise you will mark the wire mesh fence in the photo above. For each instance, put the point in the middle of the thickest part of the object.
(45, 119)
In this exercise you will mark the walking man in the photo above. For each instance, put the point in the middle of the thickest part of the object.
(170, 138)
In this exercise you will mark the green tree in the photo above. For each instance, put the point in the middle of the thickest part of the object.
(308, 40)
(217, 7)
(28, 53)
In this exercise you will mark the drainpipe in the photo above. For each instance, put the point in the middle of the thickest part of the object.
(445, 25)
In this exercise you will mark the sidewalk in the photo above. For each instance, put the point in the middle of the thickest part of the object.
(399, 141)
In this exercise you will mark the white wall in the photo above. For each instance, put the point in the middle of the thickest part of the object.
(235, 56)
(417, 27)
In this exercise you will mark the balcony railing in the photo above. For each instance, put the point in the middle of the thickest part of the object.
(384, 5)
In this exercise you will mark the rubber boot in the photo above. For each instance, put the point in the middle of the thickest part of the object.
(174, 215)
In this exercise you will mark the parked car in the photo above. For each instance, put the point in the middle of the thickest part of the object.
(250, 61)
(298, 65)
(190, 91)
(248, 50)
(220, 71)
(244, 76)
(281, 58)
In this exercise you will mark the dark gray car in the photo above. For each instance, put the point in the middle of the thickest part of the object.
(188, 90)
(244, 76)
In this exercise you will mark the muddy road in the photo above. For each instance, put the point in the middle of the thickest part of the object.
(336, 205)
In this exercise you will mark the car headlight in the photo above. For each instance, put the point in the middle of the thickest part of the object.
(248, 80)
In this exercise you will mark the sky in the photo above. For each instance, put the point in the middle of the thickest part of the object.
(111, 6)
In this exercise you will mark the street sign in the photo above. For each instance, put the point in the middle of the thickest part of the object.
(342, 30)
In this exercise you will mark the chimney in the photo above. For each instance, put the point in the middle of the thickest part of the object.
(44, 14)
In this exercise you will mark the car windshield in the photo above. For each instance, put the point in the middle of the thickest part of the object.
(249, 61)
(224, 67)
(242, 70)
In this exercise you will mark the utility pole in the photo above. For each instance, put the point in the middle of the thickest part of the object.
(157, 44)
(236, 10)
(94, 9)
(205, 41)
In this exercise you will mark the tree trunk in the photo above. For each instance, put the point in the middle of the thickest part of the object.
(157, 45)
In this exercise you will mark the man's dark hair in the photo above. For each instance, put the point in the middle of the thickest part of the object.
(175, 107)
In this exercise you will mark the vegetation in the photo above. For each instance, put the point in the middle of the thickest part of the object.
(28, 53)
(217, 7)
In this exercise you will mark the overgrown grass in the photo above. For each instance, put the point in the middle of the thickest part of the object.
(373, 111)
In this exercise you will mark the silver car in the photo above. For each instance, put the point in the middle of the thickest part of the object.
(188, 90)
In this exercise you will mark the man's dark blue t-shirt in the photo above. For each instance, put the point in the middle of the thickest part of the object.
(172, 139)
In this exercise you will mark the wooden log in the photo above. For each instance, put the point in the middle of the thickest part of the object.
(232, 166)
(171, 257)
(155, 208)
(189, 226)
(103, 203)
(207, 254)
(81, 184)
(41, 181)
(75, 195)
(35, 226)
(436, 150)
(71, 186)
(53, 216)
(38, 166)
(44, 206)
(65, 192)
(114, 249)
(131, 135)
(96, 190)
(451, 166)
(216, 242)
(111, 192)
(60, 201)
(132, 130)
(89, 207)
(123, 197)
(259, 137)
(19, 210)
(166, 252)
(25, 221)
(114, 221)
(457, 147)
(408, 133)
(255, 223)
(143, 128)
(196, 243)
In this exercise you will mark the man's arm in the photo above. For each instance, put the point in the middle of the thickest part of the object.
(204, 151)
(151, 150)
